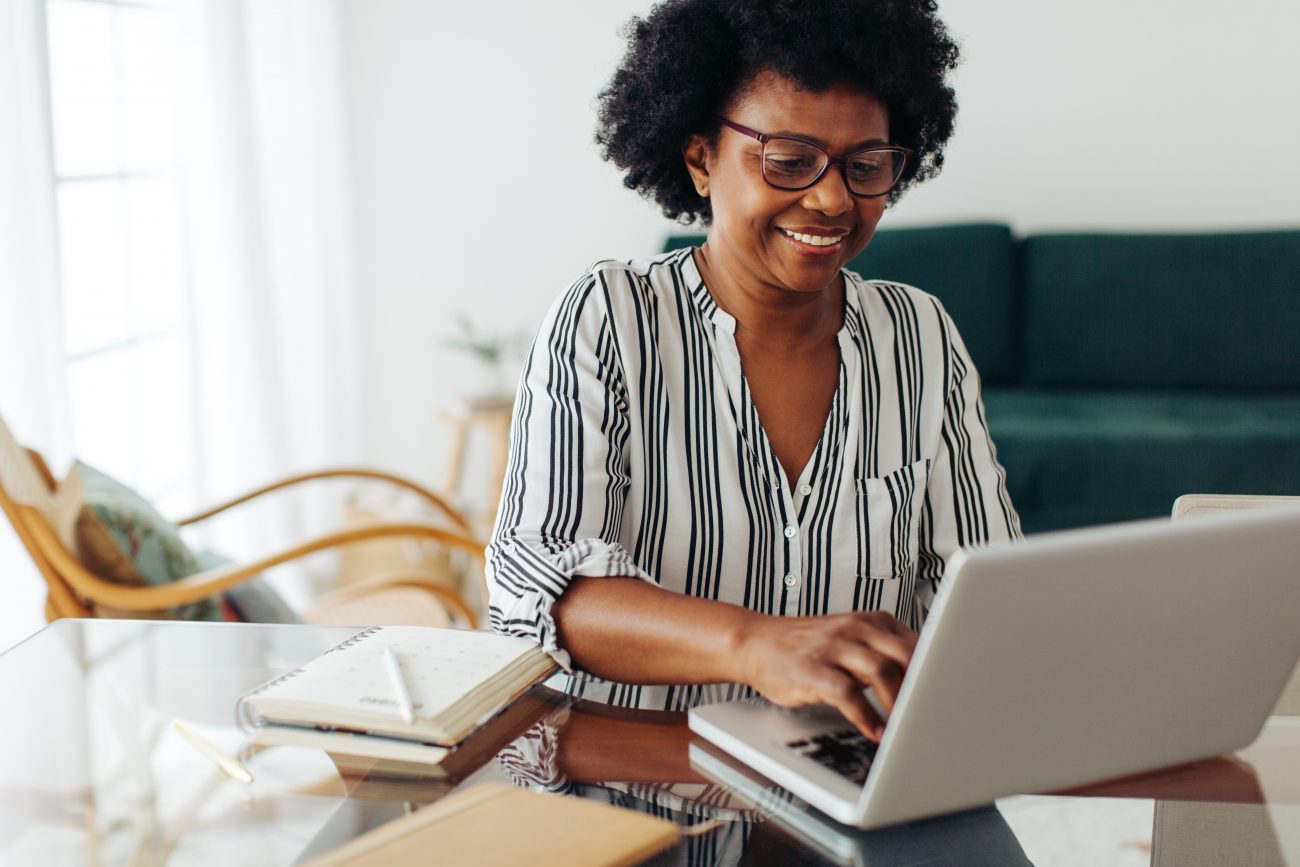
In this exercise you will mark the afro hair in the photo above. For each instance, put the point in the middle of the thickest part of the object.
(689, 59)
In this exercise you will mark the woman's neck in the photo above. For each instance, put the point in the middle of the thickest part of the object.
(769, 316)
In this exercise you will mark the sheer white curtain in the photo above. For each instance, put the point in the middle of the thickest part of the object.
(265, 182)
(33, 390)
(264, 188)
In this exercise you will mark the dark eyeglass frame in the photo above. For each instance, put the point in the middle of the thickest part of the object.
(841, 160)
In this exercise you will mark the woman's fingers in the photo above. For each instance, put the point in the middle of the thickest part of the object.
(888, 644)
(878, 671)
(888, 623)
(844, 693)
(832, 660)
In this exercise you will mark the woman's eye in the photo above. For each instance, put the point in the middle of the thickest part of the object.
(865, 170)
(789, 163)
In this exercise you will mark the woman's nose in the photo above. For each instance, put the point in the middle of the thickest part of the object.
(830, 194)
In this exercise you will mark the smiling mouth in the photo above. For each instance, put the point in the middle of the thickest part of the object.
(815, 240)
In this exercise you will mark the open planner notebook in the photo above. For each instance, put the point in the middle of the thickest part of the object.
(457, 679)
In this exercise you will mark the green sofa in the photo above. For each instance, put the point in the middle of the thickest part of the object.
(1120, 370)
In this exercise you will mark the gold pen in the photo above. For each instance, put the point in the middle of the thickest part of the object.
(230, 767)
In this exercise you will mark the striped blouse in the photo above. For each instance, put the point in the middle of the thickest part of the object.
(636, 450)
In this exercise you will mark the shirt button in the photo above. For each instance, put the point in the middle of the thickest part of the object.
(791, 580)
(790, 531)
(805, 489)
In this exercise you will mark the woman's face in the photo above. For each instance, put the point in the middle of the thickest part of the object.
(753, 222)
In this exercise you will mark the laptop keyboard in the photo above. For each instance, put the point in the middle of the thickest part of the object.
(848, 753)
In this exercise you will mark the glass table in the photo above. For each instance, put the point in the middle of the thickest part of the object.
(94, 770)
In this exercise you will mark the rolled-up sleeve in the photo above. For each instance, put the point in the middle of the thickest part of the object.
(966, 504)
(567, 477)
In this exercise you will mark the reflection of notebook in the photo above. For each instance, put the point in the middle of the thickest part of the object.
(457, 679)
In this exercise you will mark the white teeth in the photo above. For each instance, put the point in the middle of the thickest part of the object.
(815, 240)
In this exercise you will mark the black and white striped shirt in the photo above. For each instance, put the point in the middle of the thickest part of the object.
(636, 450)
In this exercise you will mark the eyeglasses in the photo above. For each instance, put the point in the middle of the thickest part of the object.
(795, 164)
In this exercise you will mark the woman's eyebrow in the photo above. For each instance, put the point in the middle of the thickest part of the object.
(865, 143)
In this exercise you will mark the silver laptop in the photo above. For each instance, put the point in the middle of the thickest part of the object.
(1066, 659)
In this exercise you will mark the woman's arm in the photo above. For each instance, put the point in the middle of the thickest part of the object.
(966, 503)
(628, 630)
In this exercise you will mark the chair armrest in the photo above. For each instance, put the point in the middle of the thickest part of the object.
(204, 584)
(343, 472)
(126, 597)
(444, 594)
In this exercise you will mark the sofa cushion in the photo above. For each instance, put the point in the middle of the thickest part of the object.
(1075, 458)
(972, 269)
(1214, 311)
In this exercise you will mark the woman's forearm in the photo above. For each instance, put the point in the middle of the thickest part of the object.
(631, 631)
(628, 630)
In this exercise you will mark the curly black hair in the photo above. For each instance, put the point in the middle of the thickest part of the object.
(688, 59)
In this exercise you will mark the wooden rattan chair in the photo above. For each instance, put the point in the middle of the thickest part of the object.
(29, 498)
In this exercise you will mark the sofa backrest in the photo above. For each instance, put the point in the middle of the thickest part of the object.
(1211, 311)
(972, 269)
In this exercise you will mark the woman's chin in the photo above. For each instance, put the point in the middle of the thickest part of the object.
(808, 284)
(805, 276)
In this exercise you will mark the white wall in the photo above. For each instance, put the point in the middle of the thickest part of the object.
(477, 187)
(1122, 113)
(1107, 113)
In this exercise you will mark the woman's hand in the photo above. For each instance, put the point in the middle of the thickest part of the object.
(796, 661)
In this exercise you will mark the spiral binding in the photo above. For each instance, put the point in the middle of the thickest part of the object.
(249, 719)
(365, 633)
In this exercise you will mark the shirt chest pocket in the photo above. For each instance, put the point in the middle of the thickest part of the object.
(889, 513)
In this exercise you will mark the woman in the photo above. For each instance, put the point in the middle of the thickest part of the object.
(742, 467)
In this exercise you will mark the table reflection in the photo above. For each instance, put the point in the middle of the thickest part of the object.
(92, 771)
(650, 761)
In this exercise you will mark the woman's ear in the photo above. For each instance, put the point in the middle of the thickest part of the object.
(697, 154)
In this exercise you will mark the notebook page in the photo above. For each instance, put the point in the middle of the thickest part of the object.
(440, 667)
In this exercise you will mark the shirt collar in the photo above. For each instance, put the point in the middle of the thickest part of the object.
(700, 293)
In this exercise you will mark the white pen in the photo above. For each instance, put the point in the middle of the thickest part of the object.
(399, 686)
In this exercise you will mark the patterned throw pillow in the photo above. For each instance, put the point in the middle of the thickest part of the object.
(251, 601)
(121, 537)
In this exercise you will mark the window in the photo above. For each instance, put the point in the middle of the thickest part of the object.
(128, 332)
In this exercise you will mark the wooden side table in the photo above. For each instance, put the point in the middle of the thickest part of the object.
(486, 418)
